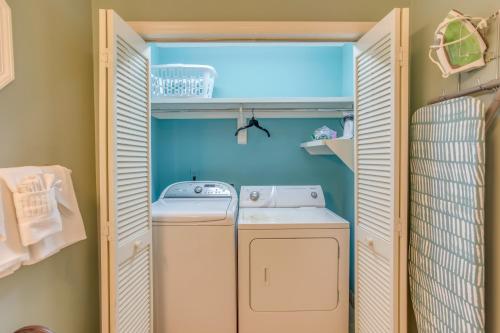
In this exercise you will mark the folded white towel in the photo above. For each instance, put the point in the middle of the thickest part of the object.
(35, 203)
(73, 229)
(12, 252)
(36, 207)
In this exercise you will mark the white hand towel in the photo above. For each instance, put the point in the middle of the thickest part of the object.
(35, 202)
(36, 207)
(73, 229)
(12, 252)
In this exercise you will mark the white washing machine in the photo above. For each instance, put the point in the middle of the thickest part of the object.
(195, 258)
(293, 262)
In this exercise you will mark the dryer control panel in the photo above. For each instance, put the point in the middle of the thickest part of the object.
(198, 189)
(282, 196)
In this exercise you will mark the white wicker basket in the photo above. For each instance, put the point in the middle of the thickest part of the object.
(177, 80)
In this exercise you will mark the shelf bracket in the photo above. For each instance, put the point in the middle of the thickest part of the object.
(242, 135)
(343, 148)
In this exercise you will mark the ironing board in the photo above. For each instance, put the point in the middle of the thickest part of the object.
(446, 254)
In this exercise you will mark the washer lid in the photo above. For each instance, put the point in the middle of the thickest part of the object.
(290, 218)
(190, 210)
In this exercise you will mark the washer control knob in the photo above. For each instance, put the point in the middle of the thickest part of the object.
(314, 194)
(254, 195)
(198, 189)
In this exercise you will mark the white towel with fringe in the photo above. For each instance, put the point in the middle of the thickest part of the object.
(12, 252)
(36, 207)
(73, 229)
(34, 195)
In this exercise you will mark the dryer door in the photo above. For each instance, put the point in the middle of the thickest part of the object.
(294, 274)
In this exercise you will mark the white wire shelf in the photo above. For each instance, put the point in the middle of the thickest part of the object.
(229, 108)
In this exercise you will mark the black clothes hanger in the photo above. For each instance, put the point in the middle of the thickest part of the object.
(253, 122)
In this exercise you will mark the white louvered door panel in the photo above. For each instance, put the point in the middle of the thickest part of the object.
(380, 162)
(124, 139)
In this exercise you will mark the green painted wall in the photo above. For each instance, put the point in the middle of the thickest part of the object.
(426, 83)
(256, 10)
(46, 117)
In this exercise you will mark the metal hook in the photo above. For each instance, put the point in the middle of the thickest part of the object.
(443, 95)
(494, 15)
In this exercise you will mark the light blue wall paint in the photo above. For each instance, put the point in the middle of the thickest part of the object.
(270, 71)
(209, 150)
(155, 150)
(348, 71)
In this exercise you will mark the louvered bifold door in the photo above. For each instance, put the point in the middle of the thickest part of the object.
(124, 141)
(380, 175)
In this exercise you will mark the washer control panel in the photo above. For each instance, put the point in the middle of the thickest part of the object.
(197, 189)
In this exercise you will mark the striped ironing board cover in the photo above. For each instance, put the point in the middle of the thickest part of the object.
(446, 254)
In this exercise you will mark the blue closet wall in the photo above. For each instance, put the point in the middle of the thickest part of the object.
(208, 149)
(347, 70)
(257, 70)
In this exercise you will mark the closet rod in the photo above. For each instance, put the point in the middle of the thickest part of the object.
(486, 87)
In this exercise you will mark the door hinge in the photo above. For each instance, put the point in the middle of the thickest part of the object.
(398, 228)
(104, 57)
(401, 56)
(107, 228)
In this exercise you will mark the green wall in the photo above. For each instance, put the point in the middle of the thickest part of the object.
(46, 117)
(426, 83)
(245, 10)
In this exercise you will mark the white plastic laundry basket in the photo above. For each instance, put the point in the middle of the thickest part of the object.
(177, 80)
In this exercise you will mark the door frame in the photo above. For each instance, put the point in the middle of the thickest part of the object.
(204, 31)
(281, 31)
(295, 31)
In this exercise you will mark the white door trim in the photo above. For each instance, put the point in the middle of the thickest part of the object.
(178, 31)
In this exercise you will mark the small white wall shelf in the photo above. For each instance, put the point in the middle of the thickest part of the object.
(229, 108)
(343, 148)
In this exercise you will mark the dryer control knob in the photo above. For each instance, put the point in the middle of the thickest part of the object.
(198, 189)
(314, 195)
(254, 195)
